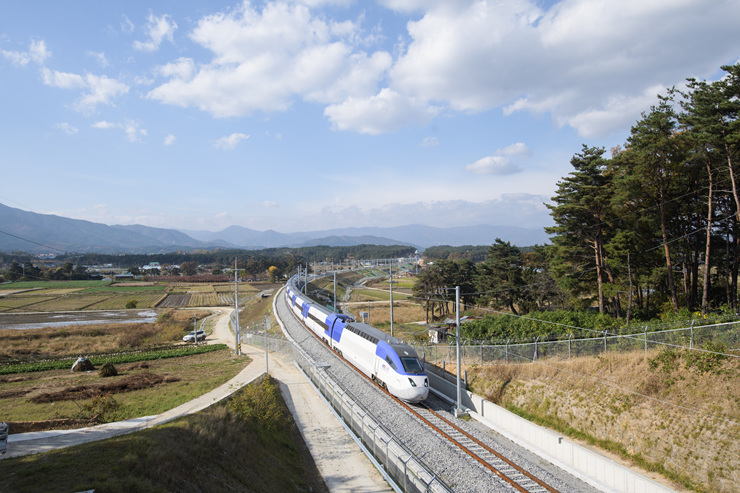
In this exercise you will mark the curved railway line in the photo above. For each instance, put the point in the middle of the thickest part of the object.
(466, 457)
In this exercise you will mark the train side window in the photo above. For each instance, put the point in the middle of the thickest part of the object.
(390, 362)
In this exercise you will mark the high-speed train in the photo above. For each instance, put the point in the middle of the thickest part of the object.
(394, 365)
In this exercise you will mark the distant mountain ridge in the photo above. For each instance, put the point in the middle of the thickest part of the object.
(46, 233)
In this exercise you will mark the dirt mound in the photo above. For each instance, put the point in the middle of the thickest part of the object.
(108, 370)
(126, 384)
(83, 364)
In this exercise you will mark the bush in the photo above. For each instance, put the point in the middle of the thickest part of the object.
(131, 304)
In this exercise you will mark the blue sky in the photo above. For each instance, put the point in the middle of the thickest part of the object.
(309, 115)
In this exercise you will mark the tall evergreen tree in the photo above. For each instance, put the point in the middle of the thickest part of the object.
(581, 213)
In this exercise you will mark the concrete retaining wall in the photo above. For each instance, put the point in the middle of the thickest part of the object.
(589, 466)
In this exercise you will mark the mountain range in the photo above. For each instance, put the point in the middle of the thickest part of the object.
(45, 233)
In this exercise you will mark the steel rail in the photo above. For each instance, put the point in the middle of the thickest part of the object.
(461, 446)
(475, 455)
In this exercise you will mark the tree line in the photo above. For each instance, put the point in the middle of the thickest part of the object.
(252, 262)
(648, 230)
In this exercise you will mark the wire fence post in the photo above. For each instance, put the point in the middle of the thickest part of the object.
(645, 335)
(570, 338)
(534, 358)
(691, 341)
(604, 343)
(506, 351)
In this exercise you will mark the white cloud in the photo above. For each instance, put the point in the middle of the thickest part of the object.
(66, 128)
(230, 141)
(268, 204)
(429, 142)
(502, 161)
(523, 210)
(19, 58)
(99, 57)
(100, 88)
(62, 80)
(385, 112)
(103, 125)
(158, 29)
(133, 132)
(265, 59)
(126, 25)
(37, 53)
(132, 129)
(182, 68)
(575, 60)
(169, 140)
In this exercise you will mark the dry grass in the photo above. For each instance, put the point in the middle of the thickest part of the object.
(621, 400)
(140, 389)
(222, 448)
(92, 339)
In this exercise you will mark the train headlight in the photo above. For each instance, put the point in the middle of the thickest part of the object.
(426, 382)
(413, 384)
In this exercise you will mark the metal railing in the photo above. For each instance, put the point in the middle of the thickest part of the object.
(409, 472)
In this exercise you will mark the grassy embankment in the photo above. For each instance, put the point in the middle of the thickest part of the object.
(248, 442)
(671, 412)
(618, 403)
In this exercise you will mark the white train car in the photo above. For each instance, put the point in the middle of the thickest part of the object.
(394, 365)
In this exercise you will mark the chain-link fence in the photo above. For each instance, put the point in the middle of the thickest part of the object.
(721, 338)
(409, 473)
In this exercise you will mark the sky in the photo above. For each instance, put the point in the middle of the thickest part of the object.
(319, 114)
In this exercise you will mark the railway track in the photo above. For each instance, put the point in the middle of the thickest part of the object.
(474, 467)
(502, 467)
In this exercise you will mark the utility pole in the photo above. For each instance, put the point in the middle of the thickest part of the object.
(267, 323)
(391, 283)
(458, 409)
(195, 328)
(237, 329)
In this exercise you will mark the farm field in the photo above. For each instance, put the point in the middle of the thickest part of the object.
(53, 296)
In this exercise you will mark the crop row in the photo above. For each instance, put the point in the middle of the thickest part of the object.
(63, 364)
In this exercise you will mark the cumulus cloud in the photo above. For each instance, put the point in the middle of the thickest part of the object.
(182, 68)
(429, 142)
(590, 65)
(384, 112)
(230, 141)
(158, 29)
(265, 59)
(502, 161)
(169, 140)
(100, 89)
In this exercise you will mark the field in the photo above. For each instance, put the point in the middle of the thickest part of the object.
(141, 388)
(248, 442)
(53, 296)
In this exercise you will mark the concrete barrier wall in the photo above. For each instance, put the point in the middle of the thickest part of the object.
(591, 467)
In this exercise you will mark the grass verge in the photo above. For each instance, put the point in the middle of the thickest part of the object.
(247, 443)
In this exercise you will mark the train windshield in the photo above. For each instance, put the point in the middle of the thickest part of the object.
(411, 364)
